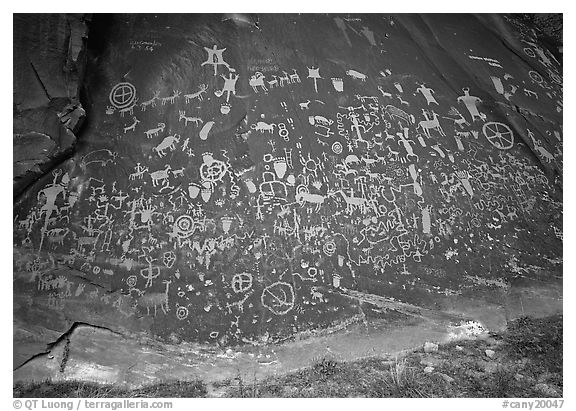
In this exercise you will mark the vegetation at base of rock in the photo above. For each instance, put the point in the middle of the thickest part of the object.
(528, 358)
(538, 339)
(527, 363)
(80, 389)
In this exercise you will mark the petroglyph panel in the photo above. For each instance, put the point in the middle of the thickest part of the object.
(226, 194)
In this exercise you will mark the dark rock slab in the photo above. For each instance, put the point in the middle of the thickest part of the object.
(248, 180)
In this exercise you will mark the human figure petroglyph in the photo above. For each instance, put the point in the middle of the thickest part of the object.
(139, 173)
(229, 86)
(51, 193)
(471, 104)
(427, 93)
(151, 272)
(215, 58)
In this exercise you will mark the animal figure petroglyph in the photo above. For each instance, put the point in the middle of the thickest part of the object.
(156, 299)
(262, 127)
(160, 175)
(392, 154)
(295, 78)
(179, 172)
(272, 83)
(153, 132)
(353, 203)
(317, 199)
(544, 153)
(168, 142)
(320, 120)
(460, 121)
(129, 110)
(257, 80)
(198, 94)
(57, 235)
(132, 126)
(83, 241)
(316, 295)
(151, 102)
(284, 78)
(305, 105)
(395, 112)
(196, 120)
(172, 98)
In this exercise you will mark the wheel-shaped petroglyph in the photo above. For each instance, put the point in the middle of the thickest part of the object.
(278, 297)
(499, 135)
(241, 282)
(123, 95)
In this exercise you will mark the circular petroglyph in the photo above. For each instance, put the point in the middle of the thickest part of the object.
(278, 297)
(499, 135)
(241, 282)
(182, 312)
(184, 223)
(337, 147)
(131, 281)
(329, 247)
(123, 95)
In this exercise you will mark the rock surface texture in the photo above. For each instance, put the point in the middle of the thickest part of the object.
(244, 180)
(49, 62)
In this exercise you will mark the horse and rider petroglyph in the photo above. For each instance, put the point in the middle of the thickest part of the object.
(431, 124)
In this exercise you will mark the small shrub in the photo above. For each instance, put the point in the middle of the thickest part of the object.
(325, 367)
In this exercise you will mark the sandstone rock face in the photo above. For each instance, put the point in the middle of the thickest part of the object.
(247, 179)
(49, 61)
